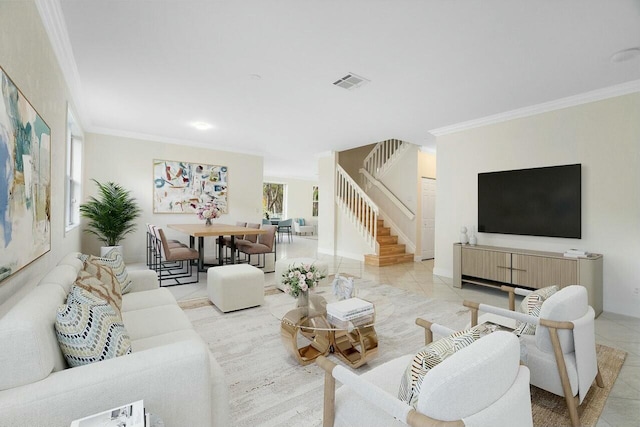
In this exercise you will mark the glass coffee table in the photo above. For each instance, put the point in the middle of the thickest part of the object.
(307, 332)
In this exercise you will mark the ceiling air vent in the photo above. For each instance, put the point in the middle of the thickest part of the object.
(351, 81)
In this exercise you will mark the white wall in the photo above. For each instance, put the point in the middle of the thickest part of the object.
(604, 137)
(327, 204)
(27, 57)
(129, 162)
(299, 203)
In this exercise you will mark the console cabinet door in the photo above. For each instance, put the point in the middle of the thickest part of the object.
(484, 264)
(538, 271)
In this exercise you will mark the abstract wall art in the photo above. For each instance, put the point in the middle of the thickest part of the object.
(25, 181)
(179, 187)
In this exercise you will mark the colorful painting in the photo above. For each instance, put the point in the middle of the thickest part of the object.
(25, 181)
(179, 187)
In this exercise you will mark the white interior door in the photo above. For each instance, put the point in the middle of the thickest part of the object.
(428, 218)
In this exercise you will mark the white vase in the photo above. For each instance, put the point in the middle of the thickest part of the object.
(105, 250)
(463, 235)
(473, 240)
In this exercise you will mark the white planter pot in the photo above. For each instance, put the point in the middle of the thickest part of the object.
(105, 249)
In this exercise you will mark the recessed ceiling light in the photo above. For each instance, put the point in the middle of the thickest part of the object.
(626, 54)
(201, 125)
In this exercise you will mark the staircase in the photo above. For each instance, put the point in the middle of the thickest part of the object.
(389, 251)
(363, 214)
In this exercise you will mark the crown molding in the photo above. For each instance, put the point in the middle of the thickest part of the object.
(570, 101)
(53, 21)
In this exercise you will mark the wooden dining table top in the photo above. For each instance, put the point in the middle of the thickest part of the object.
(202, 230)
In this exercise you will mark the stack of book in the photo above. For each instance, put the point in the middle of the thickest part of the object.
(353, 310)
(576, 253)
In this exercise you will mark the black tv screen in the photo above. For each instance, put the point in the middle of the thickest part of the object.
(536, 202)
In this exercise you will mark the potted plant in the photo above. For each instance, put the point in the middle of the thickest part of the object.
(111, 216)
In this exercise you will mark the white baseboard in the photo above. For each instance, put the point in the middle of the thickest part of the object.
(326, 251)
(350, 255)
(443, 272)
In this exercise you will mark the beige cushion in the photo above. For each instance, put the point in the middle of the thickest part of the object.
(153, 321)
(532, 304)
(99, 280)
(147, 299)
(114, 260)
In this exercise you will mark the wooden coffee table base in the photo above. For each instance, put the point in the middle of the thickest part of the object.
(355, 347)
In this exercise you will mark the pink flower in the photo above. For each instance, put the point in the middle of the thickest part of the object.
(303, 287)
(309, 275)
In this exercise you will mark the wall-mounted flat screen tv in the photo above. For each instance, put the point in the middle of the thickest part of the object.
(536, 202)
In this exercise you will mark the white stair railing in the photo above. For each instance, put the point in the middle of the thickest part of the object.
(357, 205)
(382, 156)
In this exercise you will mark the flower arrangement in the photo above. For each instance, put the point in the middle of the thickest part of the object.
(207, 211)
(301, 278)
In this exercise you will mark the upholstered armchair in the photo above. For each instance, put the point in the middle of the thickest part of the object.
(481, 385)
(299, 226)
(561, 353)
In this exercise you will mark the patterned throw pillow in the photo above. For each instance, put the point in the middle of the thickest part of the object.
(531, 304)
(427, 358)
(301, 221)
(114, 260)
(100, 281)
(91, 331)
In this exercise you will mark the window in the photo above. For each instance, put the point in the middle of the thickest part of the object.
(273, 200)
(73, 177)
(314, 209)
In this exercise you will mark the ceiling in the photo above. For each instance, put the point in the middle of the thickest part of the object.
(261, 71)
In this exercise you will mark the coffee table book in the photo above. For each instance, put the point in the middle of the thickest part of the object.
(349, 309)
(129, 415)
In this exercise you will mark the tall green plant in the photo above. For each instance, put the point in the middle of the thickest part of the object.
(112, 215)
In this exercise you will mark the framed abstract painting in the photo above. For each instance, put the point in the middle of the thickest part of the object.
(179, 187)
(25, 181)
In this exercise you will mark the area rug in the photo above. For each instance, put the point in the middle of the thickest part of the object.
(551, 410)
(269, 388)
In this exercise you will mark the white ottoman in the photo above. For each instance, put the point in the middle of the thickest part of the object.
(283, 265)
(234, 287)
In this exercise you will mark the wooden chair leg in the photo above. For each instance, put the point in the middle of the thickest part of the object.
(599, 380)
(328, 414)
(564, 378)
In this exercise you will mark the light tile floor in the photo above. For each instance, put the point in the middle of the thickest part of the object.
(623, 406)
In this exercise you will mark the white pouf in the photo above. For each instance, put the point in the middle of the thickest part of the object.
(234, 287)
(283, 265)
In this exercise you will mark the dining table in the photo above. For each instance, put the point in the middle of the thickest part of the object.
(201, 231)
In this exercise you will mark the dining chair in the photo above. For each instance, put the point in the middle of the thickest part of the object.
(265, 244)
(284, 227)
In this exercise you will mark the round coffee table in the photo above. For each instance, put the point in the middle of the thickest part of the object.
(307, 332)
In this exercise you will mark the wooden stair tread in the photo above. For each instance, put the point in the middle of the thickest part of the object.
(384, 260)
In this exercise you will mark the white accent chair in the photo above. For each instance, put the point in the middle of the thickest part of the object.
(562, 354)
(482, 385)
(299, 229)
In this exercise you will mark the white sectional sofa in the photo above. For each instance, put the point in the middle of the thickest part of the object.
(170, 367)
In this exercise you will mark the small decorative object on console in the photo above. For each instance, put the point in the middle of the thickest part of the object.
(463, 235)
(473, 240)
